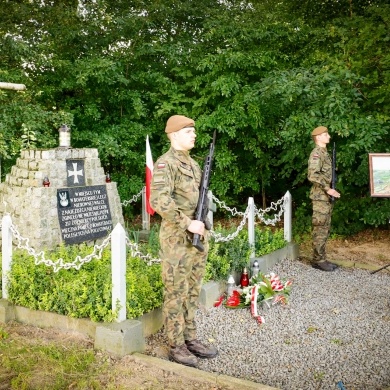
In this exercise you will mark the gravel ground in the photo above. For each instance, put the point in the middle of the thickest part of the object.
(334, 332)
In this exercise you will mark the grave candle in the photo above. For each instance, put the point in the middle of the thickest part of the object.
(64, 136)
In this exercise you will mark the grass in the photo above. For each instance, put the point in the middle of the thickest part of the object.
(32, 358)
(34, 363)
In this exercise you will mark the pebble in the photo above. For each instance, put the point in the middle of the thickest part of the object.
(334, 328)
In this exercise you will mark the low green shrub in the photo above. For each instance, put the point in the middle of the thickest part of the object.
(84, 293)
(232, 256)
(87, 293)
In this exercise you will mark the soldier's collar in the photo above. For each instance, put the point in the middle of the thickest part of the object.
(182, 155)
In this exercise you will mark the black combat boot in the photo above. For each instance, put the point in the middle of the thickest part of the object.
(182, 355)
(325, 266)
(201, 350)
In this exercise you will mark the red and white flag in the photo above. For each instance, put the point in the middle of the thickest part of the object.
(149, 175)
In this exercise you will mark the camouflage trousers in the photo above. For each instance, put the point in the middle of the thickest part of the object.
(183, 268)
(322, 212)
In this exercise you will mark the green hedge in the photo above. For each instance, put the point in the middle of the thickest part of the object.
(227, 257)
(86, 293)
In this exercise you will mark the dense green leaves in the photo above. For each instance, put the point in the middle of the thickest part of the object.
(262, 74)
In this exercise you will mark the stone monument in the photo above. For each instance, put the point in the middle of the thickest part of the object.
(60, 196)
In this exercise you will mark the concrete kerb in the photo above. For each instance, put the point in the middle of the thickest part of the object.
(202, 376)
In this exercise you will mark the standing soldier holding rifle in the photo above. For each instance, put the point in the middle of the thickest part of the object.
(175, 192)
(321, 173)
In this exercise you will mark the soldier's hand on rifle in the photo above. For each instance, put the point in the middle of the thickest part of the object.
(196, 227)
(334, 193)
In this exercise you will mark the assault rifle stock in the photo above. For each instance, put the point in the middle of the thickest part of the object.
(203, 202)
(334, 174)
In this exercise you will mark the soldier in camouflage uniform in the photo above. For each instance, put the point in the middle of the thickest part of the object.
(174, 195)
(320, 175)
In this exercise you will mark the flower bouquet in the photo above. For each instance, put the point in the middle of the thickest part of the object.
(266, 289)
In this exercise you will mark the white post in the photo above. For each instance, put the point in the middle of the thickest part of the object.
(287, 216)
(6, 253)
(145, 214)
(212, 208)
(251, 226)
(118, 269)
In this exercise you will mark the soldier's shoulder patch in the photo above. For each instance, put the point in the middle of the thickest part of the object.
(161, 165)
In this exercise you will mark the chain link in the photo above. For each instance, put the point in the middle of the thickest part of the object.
(23, 243)
(135, 252)
(218, 236)
(274, 206)
(259, 213)
(222, 205)
(132, 200)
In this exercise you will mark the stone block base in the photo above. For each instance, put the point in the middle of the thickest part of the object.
(210, 292)
(120, 338)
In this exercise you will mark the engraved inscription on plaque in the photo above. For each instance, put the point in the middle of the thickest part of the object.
(84, 213)
(75, 173)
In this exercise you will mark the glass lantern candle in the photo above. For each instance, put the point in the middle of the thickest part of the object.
(255, 269)
(230, 285)
(244, 281)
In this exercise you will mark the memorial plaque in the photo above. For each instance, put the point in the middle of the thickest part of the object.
(75, 173)
(84, 213)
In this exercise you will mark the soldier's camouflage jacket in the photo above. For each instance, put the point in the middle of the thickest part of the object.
(320, 173)
(175, 190)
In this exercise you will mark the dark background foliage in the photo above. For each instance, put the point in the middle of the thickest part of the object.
(262, 74)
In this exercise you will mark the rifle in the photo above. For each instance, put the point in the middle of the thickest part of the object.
(202, 207)
(334, 175)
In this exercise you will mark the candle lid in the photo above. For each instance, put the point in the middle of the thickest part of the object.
(231, 280)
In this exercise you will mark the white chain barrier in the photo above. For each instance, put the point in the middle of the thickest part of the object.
(132, 200)
(218, 236)
(222, 205)
(23, 243)
(136, 253)
(274, 207)
(258, 212)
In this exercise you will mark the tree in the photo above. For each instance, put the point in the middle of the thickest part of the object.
(262, 74)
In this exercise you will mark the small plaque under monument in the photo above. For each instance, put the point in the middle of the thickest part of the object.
(83, 213)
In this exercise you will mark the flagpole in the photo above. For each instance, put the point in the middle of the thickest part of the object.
(145, 214)
(146, 208)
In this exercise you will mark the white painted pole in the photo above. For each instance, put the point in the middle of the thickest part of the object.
(118, 270)
(287, 216)
(212, 208)
(145, 214)
(251, 226)
(6, 243)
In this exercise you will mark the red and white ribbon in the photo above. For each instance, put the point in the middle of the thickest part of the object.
(255, 314)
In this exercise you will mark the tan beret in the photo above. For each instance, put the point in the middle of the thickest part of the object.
(178, 122)
(319, 130)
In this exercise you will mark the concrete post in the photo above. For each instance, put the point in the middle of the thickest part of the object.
(251, 226)
(287, 216)
(118, 269)
(6, 253)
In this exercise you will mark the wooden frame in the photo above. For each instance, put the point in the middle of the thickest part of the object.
(379, 166)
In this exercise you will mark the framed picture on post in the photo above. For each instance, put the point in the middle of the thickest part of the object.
(379, 165)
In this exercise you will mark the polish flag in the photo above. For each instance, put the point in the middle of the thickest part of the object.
(149, 174)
